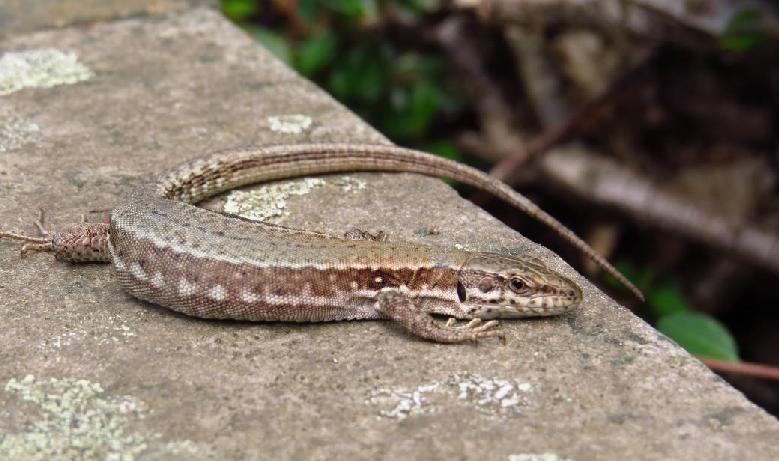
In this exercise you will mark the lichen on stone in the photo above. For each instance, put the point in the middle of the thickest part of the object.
(289, 123)
(77, 420)
(267, 201)
(40, 68)
(16, 131)
(489, 395)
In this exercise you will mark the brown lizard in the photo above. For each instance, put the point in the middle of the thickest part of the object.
(205, 264)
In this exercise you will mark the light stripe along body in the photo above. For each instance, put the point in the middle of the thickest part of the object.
(172, 253)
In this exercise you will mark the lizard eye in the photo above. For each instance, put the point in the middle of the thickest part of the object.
(517, 284)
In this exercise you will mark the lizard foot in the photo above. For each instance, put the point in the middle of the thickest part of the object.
(478, 328)
(43, 243)
(400, 308)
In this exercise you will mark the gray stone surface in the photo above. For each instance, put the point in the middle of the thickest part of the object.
(18, 16)
(88, 372)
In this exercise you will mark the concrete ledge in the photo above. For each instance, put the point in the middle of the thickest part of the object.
(81, 362)
(22, 16)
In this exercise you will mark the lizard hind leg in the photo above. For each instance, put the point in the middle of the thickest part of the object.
(400, 308)
(83, 242)
(32, 243)
(42, 243)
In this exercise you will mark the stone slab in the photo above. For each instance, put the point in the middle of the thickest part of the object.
(86, 372)
(20, 16)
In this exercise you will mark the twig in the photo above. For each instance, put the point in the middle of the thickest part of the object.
(756, 370)
(601, 180)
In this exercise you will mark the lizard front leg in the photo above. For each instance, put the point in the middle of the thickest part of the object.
(401, 308)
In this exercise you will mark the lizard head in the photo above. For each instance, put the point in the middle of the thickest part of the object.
(497, 286)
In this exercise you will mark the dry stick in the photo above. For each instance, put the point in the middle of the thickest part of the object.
(756, 370)
(599, 179)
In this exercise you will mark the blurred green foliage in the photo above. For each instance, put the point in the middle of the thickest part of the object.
(747, 27)
(404, 91)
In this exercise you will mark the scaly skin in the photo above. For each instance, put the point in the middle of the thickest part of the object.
(171, 253)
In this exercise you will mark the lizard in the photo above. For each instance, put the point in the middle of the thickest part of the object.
(168, 251)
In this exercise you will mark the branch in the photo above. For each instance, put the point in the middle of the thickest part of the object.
(599, 179)
(755, 370)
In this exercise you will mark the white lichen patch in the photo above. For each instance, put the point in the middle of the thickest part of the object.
(77, 420)
(40, 68)
(267, 201)
(289, 123)
(537, 457)
(16, 131)
(349, 183)
(402, 403)
(490, 396)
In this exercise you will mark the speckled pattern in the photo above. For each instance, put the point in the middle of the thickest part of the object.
(210, 265)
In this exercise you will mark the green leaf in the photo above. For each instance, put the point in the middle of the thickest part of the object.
(739, 43)
(240, 10)
(700, 335)
(665, 300)
(743, 31)
(274, 42)
(316, 53)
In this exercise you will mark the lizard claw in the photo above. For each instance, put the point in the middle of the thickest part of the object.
(476, 329)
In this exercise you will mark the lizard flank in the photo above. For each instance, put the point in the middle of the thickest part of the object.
(205, 264)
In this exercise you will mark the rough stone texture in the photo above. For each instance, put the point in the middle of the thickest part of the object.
(83, 363)
(18, 16)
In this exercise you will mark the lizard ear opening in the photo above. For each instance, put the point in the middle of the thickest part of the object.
(460, 291)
